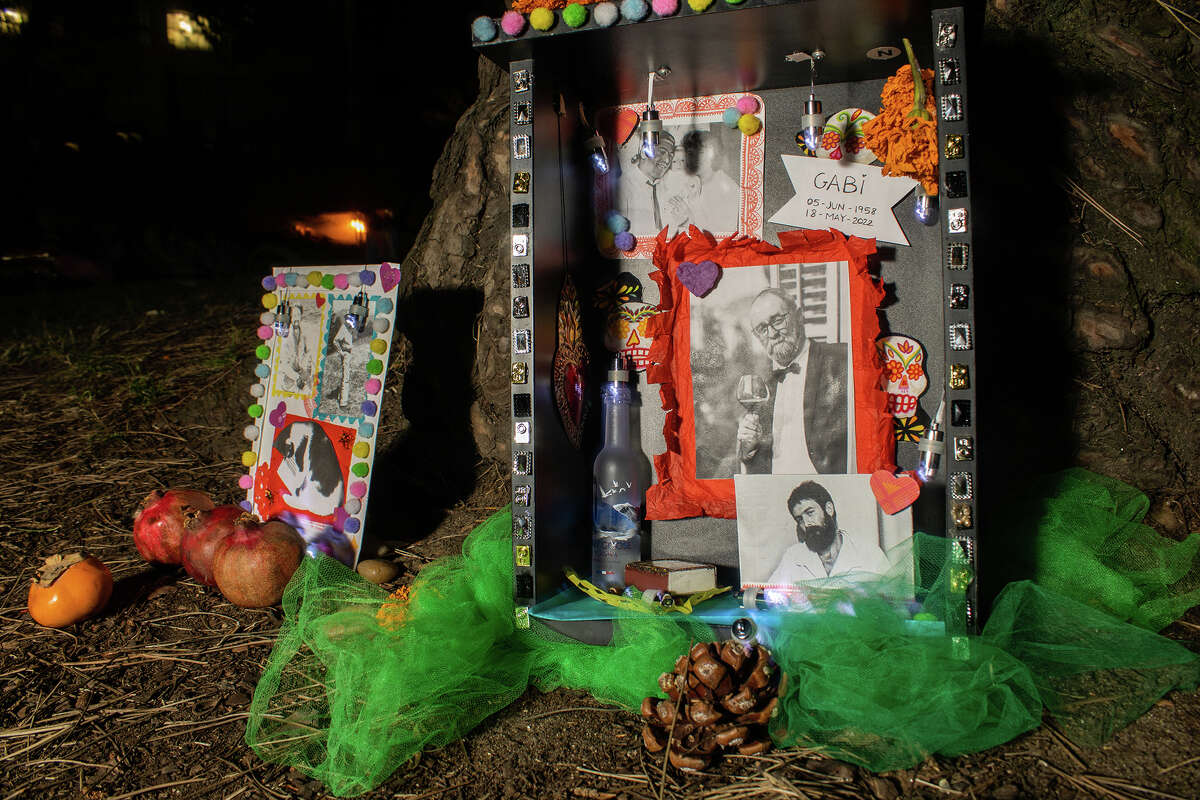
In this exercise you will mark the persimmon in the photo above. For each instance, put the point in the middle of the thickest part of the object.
(69, 588)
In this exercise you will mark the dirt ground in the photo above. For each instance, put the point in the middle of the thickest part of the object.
(125, 389)
(149, 699)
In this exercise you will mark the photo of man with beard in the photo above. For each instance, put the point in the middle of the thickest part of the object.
(823, 550)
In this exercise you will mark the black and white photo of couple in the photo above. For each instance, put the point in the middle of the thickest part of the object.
(692, 179)
(344, 370)
(298, 347)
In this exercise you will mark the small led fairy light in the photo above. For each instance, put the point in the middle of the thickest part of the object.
(651, 125)
(812, 123)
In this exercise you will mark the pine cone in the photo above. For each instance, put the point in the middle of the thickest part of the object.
(719, 698)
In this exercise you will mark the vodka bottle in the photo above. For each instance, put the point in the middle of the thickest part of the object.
(617, 491)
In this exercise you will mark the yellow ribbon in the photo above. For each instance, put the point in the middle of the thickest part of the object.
(637, 604)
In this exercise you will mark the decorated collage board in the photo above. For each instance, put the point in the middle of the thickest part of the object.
(326, 339)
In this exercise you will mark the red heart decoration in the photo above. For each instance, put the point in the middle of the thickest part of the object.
(894, 492)
(625, 124)
(320, 300)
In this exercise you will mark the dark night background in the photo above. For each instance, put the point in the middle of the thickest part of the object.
(146, 189)
(128, 158)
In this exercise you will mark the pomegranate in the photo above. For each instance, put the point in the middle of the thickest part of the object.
(202, 532)
(158, 525)
(253, 563)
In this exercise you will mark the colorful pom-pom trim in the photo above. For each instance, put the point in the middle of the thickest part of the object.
(574, 15)
(634, 10)
(749, 124)
(747, 104)
(664, 8)
(606, 14)
(699, 5)
(617, 222)
(542, 19)
(483, 29)
(512, 23)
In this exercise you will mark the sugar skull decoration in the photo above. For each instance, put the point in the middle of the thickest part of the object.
(904, 377)
(570, 364)
(627, 318)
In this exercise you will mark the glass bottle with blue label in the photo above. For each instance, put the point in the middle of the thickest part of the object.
(618, 495)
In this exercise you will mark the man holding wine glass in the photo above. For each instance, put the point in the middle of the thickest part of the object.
(796, 419)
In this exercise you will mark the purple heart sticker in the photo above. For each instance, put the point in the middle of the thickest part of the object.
(279, 415)
(339, 519)
(699, 278)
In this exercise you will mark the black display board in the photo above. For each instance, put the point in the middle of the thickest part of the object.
(743, 48)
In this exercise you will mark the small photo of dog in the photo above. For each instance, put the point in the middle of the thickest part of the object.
(310, 469)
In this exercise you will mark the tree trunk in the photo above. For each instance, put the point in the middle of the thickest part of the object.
(460, 248)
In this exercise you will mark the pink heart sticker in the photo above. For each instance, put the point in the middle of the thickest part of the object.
(699, 278)
(339, 519)
(894, 492)
(389, 276)
(279, 415)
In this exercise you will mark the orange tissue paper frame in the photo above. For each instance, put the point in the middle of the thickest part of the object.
(678, 492)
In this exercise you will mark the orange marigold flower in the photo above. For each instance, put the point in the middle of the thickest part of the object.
(525, 6)
(393, 611)
(906, 145)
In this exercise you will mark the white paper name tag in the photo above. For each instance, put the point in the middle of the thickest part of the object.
(856, 199)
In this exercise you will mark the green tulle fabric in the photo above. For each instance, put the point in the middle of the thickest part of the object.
(347, 698)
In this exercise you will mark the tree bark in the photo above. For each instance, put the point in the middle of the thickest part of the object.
(460, 246)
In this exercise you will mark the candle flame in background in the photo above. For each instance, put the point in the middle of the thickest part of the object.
(339, 227)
